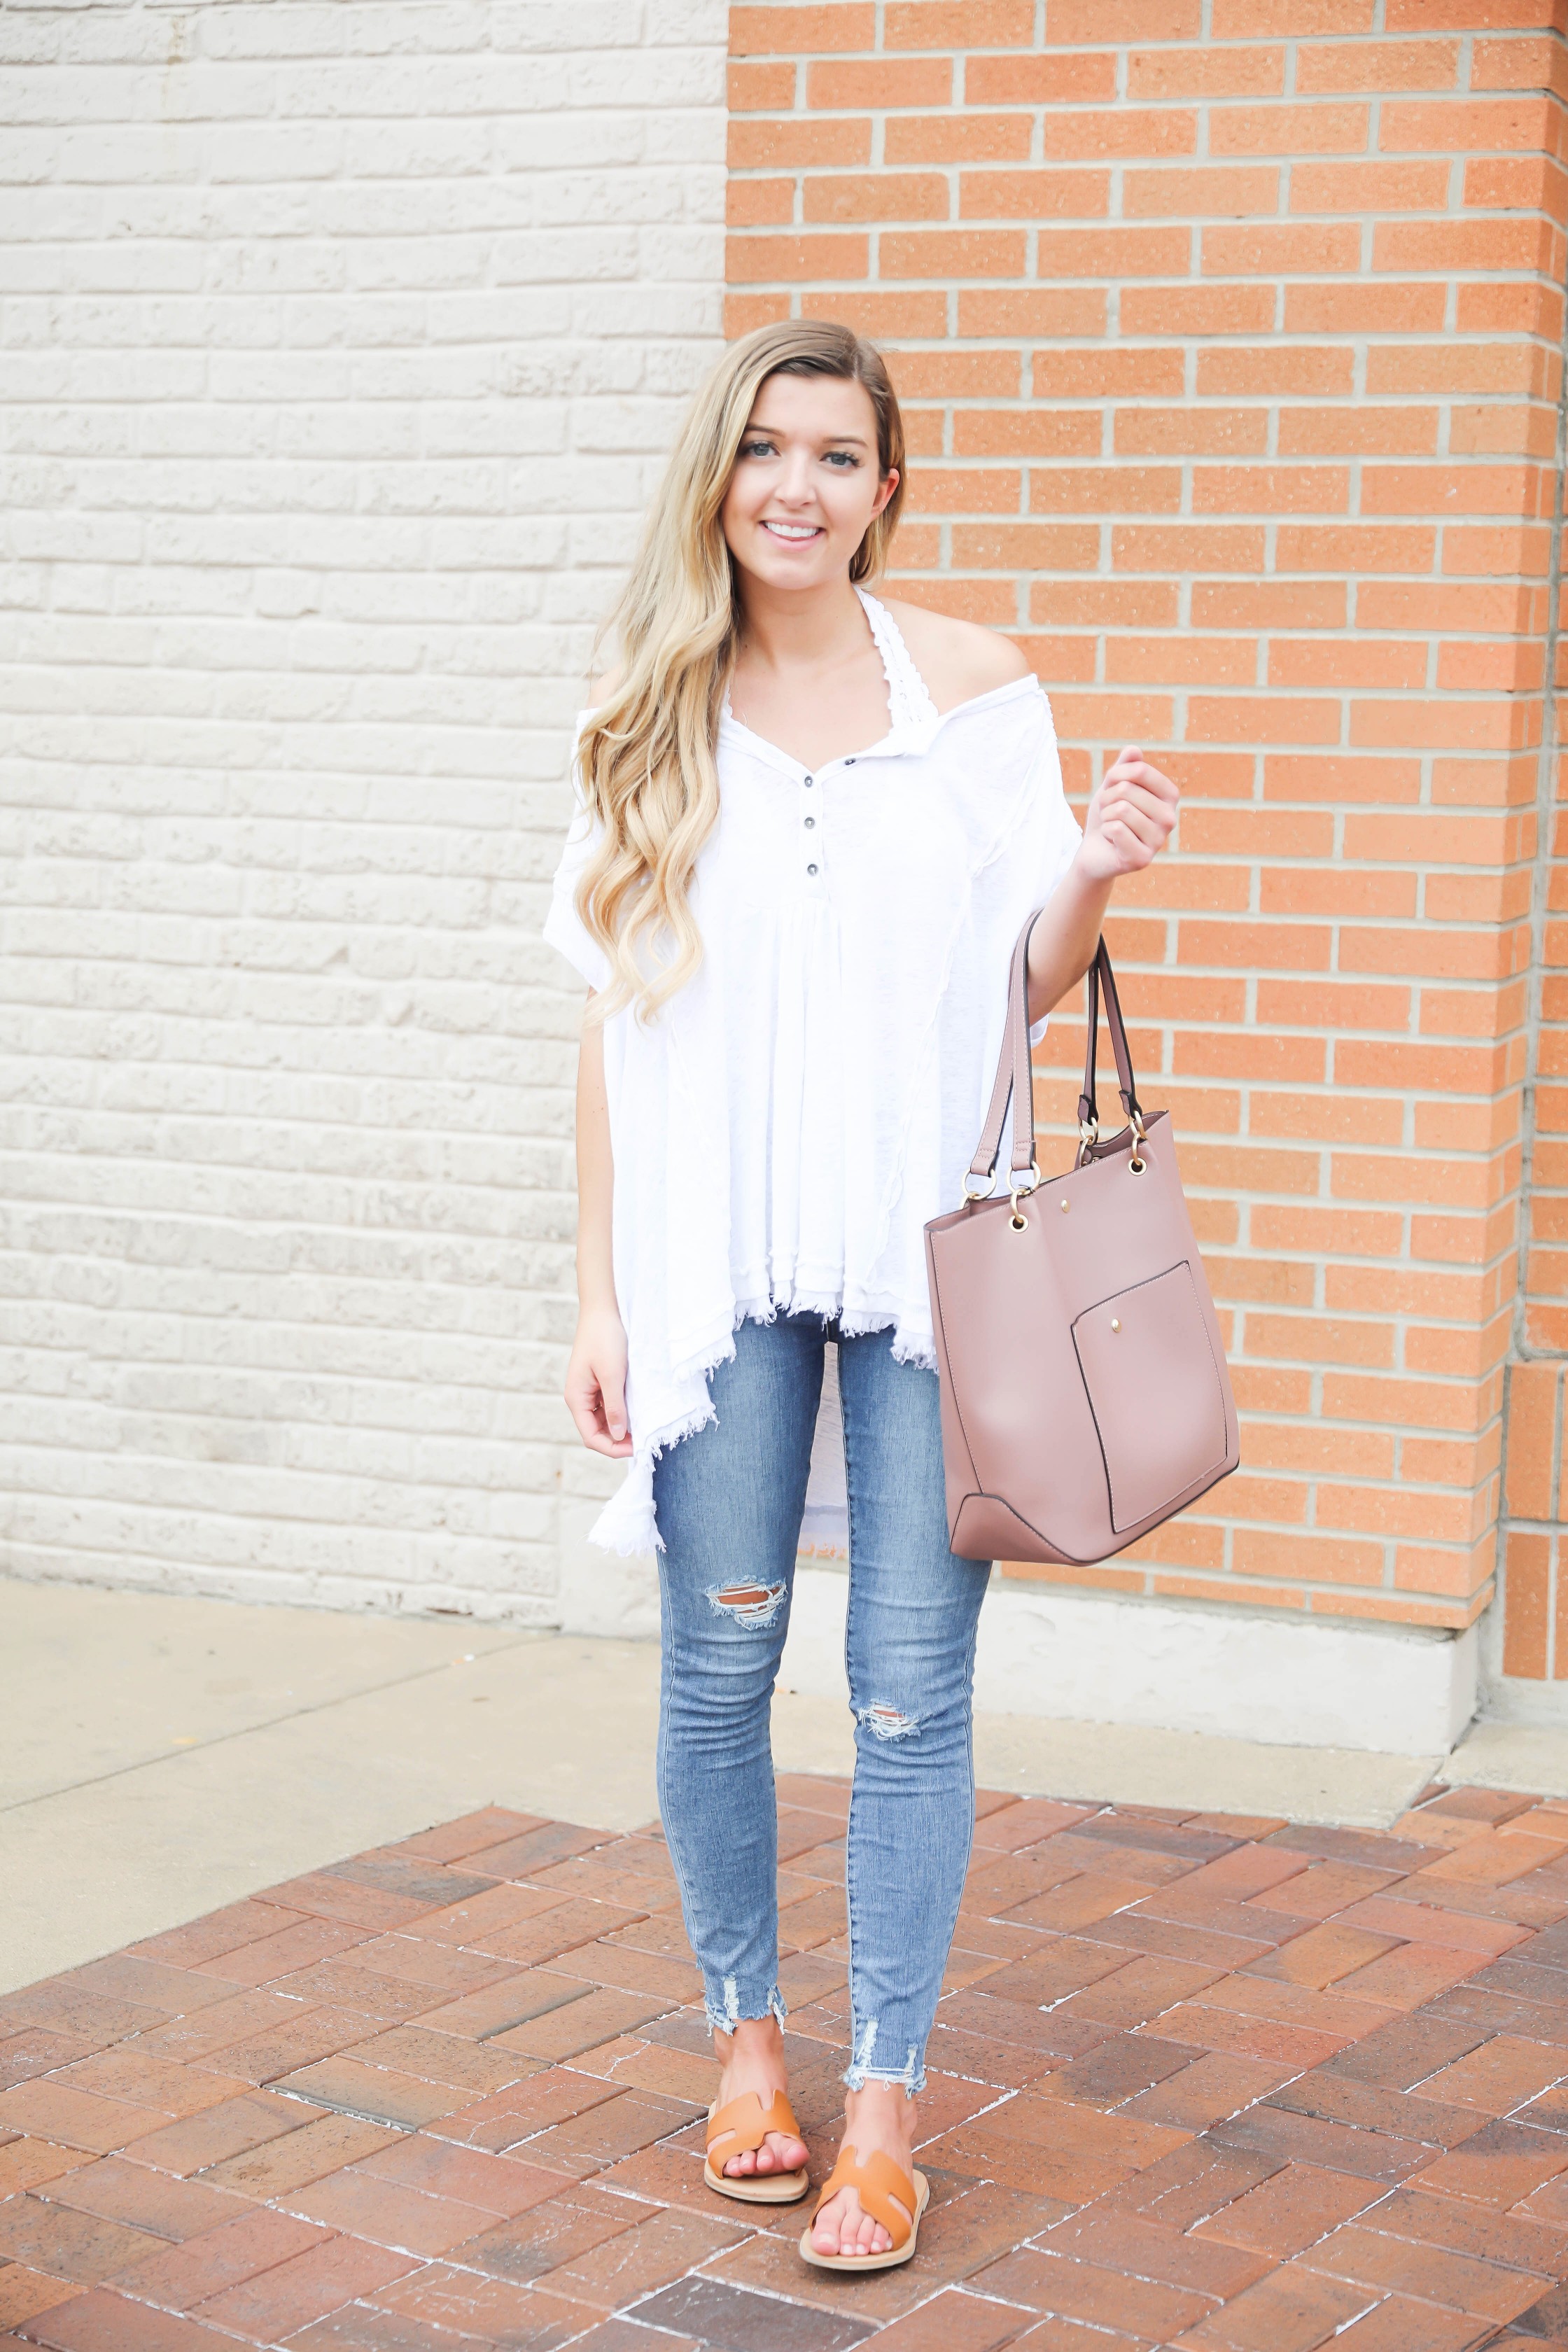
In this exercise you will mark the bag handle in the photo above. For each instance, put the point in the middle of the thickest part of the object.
(1087, 1113)
(1015, 1079)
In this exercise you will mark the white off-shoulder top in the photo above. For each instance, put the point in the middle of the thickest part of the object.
(787, 1123)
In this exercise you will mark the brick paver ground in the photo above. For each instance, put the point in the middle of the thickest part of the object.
(1198, 2081)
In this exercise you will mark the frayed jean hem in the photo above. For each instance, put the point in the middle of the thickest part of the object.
(912, 2078)
(733, 2008)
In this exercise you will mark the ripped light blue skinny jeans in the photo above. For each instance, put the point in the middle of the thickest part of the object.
(729, 1502)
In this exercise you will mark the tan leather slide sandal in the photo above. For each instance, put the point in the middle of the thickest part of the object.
(744, 2124)
(895, 2198)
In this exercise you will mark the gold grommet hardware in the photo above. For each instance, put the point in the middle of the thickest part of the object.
(1018, 1194)
(1135, 1166)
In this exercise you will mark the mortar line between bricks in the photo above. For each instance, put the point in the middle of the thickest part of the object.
(244, 1731)
(1545, 860)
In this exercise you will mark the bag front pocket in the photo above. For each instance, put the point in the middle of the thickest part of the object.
(1154, 1390)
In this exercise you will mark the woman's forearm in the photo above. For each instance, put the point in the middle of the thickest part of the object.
(597, 1375)
(1062, 946)
(595, 1176)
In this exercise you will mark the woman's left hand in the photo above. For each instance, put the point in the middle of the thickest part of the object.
(1130, 819)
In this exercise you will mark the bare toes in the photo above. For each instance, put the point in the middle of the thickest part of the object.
(827, 2230)
(843, 2229)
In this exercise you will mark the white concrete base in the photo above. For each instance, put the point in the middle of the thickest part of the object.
(1083, 1657)
(1532, 1705)
(599, 1592)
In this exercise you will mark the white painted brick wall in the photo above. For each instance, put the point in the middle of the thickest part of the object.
(340, 340)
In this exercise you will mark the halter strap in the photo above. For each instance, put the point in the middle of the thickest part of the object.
(909, 702)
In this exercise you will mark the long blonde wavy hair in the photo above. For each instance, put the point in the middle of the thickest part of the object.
(648, 754)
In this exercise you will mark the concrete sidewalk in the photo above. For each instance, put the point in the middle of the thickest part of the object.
(160, 1757)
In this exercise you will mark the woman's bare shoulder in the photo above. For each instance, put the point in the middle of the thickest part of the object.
(957, 659)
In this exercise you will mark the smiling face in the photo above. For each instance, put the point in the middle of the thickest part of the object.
(805, 484)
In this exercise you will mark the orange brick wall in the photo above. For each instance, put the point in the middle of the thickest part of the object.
(1231, 354)
(1535, 1630)
(1535, 1637)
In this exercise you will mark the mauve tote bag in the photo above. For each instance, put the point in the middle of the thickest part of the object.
(1085, 1395)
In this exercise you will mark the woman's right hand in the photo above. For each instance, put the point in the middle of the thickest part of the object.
(596, 1381)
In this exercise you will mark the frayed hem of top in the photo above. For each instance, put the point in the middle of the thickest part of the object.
(908, 1319)
(792, 1302)
(909, 1347)
(913, 1342)
(628, 1525)
(626, 1528)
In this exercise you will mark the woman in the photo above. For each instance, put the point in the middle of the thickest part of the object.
(811, 824)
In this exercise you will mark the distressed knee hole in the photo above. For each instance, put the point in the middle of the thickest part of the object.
(885, 1722)
(749, 1604)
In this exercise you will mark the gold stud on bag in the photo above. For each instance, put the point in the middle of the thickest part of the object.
(1085, 1395)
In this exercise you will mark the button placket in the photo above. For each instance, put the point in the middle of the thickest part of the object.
(810, 792)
